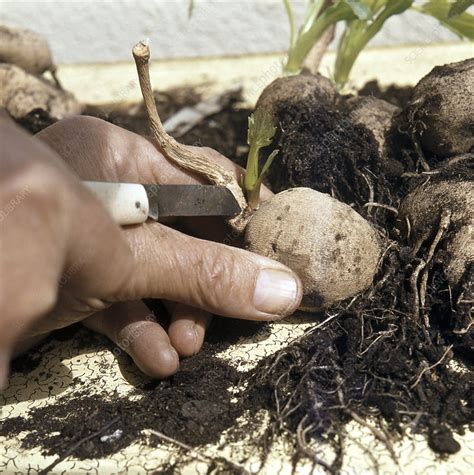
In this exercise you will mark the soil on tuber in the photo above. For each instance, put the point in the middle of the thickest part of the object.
(23, 94)
(440, 112)
(322, 146)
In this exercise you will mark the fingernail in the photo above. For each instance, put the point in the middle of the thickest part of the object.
(276, 292)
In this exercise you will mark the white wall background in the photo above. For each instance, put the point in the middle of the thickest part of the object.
(87, 31)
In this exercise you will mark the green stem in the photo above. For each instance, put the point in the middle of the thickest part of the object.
(358, 33)
(289, 12)
(351, 44)
(308, 36)
(251, 182)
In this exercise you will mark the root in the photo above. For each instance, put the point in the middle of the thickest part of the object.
(200, 456)
(429, 368)
(304, 446)
(178, 153)
(415, 305)
(421, 156)
(380, 205)
(378, 434)
(56, 80)
(77, 445)
(443, 226)
(419, 292)
(371, 195)
(372, 457)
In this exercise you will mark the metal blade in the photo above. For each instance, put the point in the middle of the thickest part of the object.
(190, 200)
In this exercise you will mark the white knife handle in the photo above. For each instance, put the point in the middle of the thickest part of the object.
(127, 203)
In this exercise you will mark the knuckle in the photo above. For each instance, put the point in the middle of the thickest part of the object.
(216, 275)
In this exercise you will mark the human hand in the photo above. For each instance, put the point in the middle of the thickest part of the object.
(67, 261)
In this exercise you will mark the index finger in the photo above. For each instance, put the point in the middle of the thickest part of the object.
(98, 150)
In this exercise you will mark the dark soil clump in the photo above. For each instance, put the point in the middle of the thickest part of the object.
(376, 363)
(321, 148)
(193, 407)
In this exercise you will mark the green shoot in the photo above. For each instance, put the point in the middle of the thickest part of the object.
(261, 130)
(364, 19)
(459, 6)
(289, 12)
(359, 32)
(316, 22)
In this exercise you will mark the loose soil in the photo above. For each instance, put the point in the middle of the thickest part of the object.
(382, 362)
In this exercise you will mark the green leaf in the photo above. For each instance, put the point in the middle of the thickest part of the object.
(268, 163)
(312, 11)
(261, 128)
(462, 24)
(459, 6)
(360, 9)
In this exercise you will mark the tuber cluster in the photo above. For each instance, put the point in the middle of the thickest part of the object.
(27, 96)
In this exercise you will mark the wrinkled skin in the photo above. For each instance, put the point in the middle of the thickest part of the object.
(63, 260)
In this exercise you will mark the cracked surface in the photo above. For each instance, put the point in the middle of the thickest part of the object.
(69, 367)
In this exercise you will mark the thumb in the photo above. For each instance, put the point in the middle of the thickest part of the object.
(211, 276)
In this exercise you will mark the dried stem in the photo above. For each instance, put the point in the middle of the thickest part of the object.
(181, 155)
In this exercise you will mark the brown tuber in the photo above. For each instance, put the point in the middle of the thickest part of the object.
(375, 114)
(26, 49)
(22, 93)
(300, 89)
(446, 196)
(440, 112)
(331, 247)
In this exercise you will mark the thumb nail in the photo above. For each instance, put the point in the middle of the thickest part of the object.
(277, 292)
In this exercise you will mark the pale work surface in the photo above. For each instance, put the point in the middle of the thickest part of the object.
(69, 366)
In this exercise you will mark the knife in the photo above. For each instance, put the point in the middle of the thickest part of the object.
(132, 203)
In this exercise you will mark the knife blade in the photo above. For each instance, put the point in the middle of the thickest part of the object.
(132, 203)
